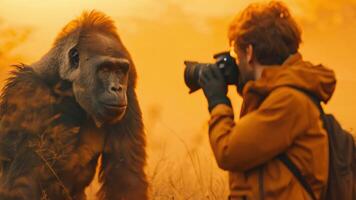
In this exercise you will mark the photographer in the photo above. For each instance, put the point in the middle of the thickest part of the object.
(277, 116)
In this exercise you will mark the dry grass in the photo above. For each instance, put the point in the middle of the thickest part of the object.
(179, 168)
(190, 173)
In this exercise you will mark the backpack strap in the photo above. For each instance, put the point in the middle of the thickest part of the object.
(311, 96)
(295, 171)
(288, 162)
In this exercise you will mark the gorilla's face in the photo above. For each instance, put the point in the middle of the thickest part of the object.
(100, 76)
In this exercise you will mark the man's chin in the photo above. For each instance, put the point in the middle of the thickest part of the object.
(240, 87)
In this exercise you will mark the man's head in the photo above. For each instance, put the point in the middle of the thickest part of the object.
(263, 34)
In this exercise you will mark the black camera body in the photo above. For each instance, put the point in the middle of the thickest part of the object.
(224, 62)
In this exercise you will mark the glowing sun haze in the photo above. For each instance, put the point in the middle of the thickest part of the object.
(161, 34)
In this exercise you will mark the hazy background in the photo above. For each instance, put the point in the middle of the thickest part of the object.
(161, 34)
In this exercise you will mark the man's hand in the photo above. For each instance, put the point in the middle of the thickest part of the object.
(214, 86)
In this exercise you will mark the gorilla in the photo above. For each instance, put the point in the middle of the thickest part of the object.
(72, 109)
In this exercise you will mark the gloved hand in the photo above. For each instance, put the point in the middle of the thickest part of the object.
(214, 86)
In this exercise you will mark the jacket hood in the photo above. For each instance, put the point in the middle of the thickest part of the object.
(294, 72)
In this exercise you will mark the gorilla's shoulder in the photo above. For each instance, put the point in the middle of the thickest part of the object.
(22, 79)
(28, 101)
(23, 88)
(24, 97)
(23, 73)
(31, 117)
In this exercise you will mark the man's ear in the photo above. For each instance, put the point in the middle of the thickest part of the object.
(249, 53)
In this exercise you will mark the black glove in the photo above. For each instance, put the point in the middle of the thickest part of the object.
(214, 86)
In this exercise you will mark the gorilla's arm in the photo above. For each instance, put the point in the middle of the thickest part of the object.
(122, 174)
(32, 136)
(24, 111)
(21, 181)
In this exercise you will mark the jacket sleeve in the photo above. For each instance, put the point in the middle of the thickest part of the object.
(260, 135)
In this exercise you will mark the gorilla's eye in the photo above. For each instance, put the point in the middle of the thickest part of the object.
(125, 67)
(74, 57)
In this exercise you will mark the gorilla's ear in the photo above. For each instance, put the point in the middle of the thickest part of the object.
(73, 56)
(69, 65)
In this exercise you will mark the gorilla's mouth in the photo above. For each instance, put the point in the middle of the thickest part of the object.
(114, 106)
(113, 111)
(109, 112)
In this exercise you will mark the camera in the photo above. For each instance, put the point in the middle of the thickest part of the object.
(223, 61)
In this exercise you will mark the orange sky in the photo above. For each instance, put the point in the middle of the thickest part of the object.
(160, 34)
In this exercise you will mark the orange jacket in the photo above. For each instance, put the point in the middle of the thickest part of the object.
(275, 119)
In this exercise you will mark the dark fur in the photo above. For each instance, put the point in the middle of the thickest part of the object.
(49, 146)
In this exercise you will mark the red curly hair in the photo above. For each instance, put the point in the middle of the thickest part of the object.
(269, 28)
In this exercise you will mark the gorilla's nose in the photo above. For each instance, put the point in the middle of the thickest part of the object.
(116, 89)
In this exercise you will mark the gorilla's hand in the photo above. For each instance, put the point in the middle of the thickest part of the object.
(214, 86)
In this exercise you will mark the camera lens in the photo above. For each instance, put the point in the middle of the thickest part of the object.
(191, 75)
(224, 61)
